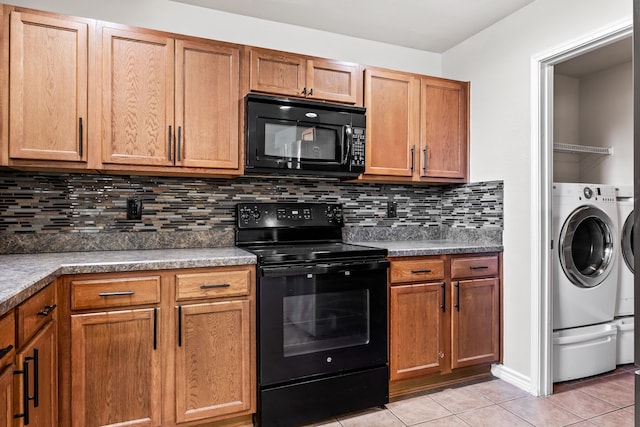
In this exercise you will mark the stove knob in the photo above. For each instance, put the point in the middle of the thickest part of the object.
(255, 215)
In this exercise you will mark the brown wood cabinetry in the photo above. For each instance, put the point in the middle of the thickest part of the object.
(49, 89)
(7, 358)
(115, 360)
(169, 102)
(417, 127)
(214, 342)
(444, 319)
(172, 347)
(35, 401)
(288, 74)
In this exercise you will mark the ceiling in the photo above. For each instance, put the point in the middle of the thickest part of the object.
(430, 25)
(613, 54)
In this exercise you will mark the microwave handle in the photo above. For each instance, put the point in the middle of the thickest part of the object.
(348, 136)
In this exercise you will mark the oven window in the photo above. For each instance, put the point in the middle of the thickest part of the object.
(325, 321)
(300, 141)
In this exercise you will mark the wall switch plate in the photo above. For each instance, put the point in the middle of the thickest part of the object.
(134, 208)
(392, 210)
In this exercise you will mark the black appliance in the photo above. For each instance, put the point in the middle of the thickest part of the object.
(300, 137)
(321, 314)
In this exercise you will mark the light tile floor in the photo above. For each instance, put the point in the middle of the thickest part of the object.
(605, 400)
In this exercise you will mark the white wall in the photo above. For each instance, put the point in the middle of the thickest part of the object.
(606, 120)
(596, 110)
(566, 127)
(497, 61)
(167, 15)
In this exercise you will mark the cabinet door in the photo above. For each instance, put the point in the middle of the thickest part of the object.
(444, 124)
(418, 336)
(332, 81)
(115, 369)
(476, 322)
(277, 73)
(48, 88)
(392, 101)
(6, 397)
(137, 98)
(40, 359)
(213, 366)
(207, 98)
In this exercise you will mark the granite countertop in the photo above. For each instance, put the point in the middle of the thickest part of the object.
(25, 274)
(397, 248)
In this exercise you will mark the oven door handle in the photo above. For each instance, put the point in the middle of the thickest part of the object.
(323, 268)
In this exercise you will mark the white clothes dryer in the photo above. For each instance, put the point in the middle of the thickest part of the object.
(624, 303)
(584, 254)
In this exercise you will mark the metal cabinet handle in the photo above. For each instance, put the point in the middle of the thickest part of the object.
(424, 164)
(223, 285)
(47, 310)
(179, 143)
(25, 389)
(457, 306)
(479, 267)
(420, 271)
(155, 328)
(413, 158)
(169, 143)
(80, 136)
(304, 91)
(444, 297)
(36, 379)
(179, 326)
(5, 351)
(311, 92)
(115, 294)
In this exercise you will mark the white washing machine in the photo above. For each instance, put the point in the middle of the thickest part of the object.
(624, 303)
(584, 254)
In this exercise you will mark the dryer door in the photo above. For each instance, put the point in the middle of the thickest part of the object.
(627, 242)
(586, 246)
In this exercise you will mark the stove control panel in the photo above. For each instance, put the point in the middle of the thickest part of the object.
(284, 215)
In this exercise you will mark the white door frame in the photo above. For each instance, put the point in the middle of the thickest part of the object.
(541, 181)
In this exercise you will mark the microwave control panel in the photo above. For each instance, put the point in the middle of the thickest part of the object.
(357, 147)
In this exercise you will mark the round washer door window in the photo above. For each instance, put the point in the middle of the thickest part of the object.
(586, 246)
(627, 242)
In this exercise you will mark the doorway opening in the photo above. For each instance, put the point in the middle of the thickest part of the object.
(543, 67)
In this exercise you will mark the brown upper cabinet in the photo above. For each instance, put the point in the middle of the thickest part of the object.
(417, 127)
(48, 88)
(288, 74)
(169, 102)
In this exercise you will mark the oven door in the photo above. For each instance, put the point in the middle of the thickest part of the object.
(321, 319)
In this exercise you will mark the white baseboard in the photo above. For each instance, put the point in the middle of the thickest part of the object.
(512, 377)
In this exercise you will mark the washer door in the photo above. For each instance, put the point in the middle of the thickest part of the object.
(586, 246)
(627, 242)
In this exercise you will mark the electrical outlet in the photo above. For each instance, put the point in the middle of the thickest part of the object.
(392, 210)
(134, 208)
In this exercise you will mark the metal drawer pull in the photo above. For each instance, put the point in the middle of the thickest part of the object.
(479, 267)
(5, 351)
(47, 310)
(223, 285)
(457, 304)
(115, 294)
(420, 271)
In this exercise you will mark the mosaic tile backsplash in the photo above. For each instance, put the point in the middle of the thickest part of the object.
(39, 209)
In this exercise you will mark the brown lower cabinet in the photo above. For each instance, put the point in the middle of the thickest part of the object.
(444, 319)
(158, 348)
(29, 363)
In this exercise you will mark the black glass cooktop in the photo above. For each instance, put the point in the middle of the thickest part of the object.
(281, 253)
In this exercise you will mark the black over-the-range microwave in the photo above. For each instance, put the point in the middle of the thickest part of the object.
(289, 136)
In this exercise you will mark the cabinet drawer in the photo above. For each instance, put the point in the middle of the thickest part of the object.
(114, 292)
(417, 270)
(474, 266)
(213, 284)
(7, 339)
(35, 312)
